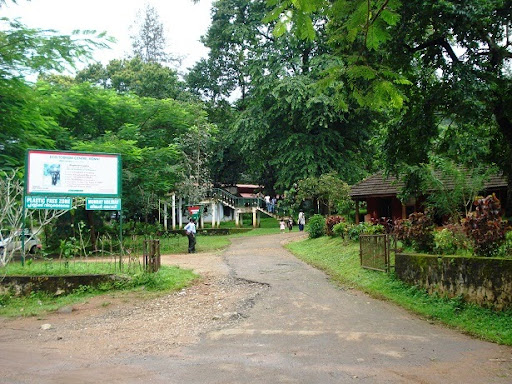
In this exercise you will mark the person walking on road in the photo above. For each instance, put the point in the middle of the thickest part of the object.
(190, 230)
(301, 221)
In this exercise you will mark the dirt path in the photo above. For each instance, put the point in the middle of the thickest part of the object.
(259, 315)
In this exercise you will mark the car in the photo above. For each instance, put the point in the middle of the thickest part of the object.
(32, 243)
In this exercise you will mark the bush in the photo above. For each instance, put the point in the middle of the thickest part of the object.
(341, 229)
(417, 230)
(365, 229)
(386, 223)
(485, 227)
(506, 248)
(330, 222)
(316, 226)
(445, 242)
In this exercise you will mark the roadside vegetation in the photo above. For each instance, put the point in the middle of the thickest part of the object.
(340, 260)
(37, 303)
(165, 280)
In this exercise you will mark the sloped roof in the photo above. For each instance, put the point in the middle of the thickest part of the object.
(377, 185)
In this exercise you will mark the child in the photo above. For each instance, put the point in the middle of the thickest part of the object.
(282, 226)
(290, 224)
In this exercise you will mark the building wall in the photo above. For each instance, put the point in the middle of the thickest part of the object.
(376, 206)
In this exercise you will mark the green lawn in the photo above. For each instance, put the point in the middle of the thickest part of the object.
(341, 261)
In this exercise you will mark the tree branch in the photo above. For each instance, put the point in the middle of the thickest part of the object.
(437, 42)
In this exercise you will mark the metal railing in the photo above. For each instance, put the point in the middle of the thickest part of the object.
(241, 202)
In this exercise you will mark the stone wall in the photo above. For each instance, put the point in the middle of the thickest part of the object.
(484, 281)
(54, 285)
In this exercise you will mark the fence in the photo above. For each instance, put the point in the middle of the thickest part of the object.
(151, 256)
(374, 252)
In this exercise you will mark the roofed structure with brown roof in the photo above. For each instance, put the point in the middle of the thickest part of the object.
(380, 193)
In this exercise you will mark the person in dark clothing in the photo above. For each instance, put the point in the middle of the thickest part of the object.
(190, 230)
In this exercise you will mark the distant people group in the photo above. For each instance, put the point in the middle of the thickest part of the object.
(270, 204)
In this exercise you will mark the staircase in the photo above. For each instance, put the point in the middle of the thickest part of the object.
(242, 204)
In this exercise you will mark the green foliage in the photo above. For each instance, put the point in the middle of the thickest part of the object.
(316, 226)
(25, 51)
(404, 60)
(450, 240)
(145, 79)
(450, 187)
(69, 248)
(341, 229)
(445, 242)
(364, 228)
(330, 222)
(506, 248)
(417, 230)
(328, 190)
(485, 227)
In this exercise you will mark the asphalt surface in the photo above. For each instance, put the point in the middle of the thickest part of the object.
(301, 329)
(307, 330)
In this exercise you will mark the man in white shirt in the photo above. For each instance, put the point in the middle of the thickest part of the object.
(190, 230)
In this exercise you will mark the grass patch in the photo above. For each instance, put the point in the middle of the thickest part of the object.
(341, 261)
(165, 280)
(58, 268)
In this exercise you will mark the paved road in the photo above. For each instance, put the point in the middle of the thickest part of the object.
(306, 330)
(302, 329)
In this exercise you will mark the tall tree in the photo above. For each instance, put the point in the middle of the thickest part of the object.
(455, 55)
(24, 51)
(134, 75)
(290, 132)
(149, 42)
(243, 50)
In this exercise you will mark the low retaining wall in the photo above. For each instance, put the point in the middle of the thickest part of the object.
(484, 281)
(54, 285)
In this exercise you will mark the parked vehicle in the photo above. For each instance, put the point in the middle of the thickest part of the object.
(32, 243)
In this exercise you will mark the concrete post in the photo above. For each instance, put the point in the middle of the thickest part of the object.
(173, 212)
(237, 217)
(165, 215)
(220, 213)
(214, 206)
(254, 217)
(180, 212)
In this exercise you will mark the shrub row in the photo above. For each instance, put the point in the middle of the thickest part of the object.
(482, 232)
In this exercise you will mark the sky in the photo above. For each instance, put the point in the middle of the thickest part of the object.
(184, 22)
